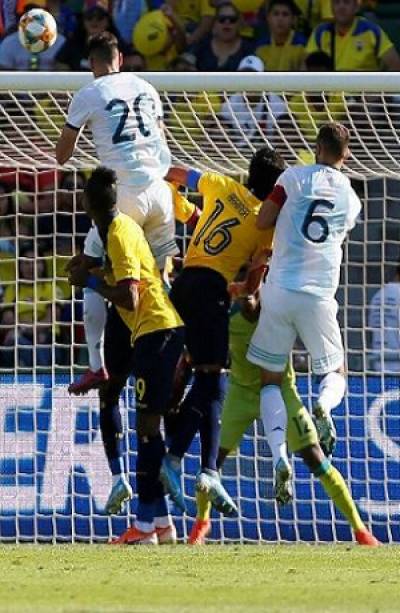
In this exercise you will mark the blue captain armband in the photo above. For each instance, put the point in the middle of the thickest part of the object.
(193, 178)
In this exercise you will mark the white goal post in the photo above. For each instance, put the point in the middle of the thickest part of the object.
(53, 474)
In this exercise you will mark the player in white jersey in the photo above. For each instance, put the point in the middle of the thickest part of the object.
(384, 324)
(313, 207)
(124, 114)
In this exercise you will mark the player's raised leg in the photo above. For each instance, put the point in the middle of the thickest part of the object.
(94, 312)
(319, 330)
(270, 349)
(201, 297)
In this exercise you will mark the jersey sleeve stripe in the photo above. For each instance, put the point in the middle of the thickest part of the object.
(193, 178)
(278, 196)
(69, 125)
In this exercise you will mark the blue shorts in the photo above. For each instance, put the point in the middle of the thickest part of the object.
(200, 296)
(118, 350)
(155, 356)
(151, 360)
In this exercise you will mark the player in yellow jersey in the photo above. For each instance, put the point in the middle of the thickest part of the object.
(132, 283)
(224, 239)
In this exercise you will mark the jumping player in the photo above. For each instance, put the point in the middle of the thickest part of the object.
(313, 207)
(133, 285)
(225, 238)
(124, 114)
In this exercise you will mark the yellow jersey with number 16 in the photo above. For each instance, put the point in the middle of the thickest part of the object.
(226, 236)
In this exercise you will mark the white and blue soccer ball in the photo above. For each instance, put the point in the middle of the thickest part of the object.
(37, 30)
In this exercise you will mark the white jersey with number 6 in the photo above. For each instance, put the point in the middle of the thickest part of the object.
(320, 207)
(123, 113)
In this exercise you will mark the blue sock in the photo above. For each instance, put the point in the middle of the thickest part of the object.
(150, 453)
(146, 512)
(161, 507)
(111, 431)
(214, 392)
(187, 422)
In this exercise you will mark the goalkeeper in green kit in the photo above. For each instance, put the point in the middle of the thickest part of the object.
(242, 407)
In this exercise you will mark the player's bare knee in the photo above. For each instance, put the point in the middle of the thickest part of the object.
(312, 456)
(271, 378)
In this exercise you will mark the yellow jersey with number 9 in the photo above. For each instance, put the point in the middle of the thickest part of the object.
(226, 236)
(129, 256)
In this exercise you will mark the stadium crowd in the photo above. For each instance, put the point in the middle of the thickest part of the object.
(212, 35)
(179, 35)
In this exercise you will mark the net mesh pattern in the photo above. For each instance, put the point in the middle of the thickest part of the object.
(54, 478)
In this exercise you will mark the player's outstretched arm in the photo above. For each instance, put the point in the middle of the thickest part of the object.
(124, 294)
(255, 274)
(268, 215)
(189, 177)
(66, 144)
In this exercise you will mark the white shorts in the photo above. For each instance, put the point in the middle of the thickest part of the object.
(286, 314)
(153, 210)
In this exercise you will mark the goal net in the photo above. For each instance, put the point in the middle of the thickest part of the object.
(54, 478)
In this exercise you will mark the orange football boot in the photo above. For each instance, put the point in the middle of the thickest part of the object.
(201, 529)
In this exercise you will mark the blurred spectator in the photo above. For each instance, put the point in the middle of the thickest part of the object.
(67, 217)
(27, 315)
(249, 118)
(194, 126)
(8, 16)
(197, 17)
(160, 37)
(384, 322)
(309, 110)
(126, 13)
(282, 48)
(13, 56)
(74, 54)
(225, 47)
(312, 12)
(65, 18)
(7, 225)
(312, 109)
(353, 42)
(185, 62)
(133, 61)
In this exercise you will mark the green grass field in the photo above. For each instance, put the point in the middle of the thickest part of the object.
(212, 579)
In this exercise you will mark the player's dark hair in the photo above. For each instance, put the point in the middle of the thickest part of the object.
(319, 61)
(290, 4)
(265, 167)
(103, 47)
(101, 190)
(334, 138)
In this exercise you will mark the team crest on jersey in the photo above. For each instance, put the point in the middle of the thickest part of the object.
(359, 45)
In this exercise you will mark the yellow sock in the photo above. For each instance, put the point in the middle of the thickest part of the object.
(337, 490)
(203, 506)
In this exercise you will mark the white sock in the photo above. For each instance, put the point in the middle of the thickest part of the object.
(94, 317)
(163, 522)
(274, 416)
(331, 391)
(116, 478)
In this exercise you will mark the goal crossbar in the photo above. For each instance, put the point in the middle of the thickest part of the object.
(388, 82)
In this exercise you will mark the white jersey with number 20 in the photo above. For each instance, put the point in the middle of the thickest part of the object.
(123, 113)
(320, 209)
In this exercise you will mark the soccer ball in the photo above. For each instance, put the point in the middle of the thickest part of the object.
(37, 30)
